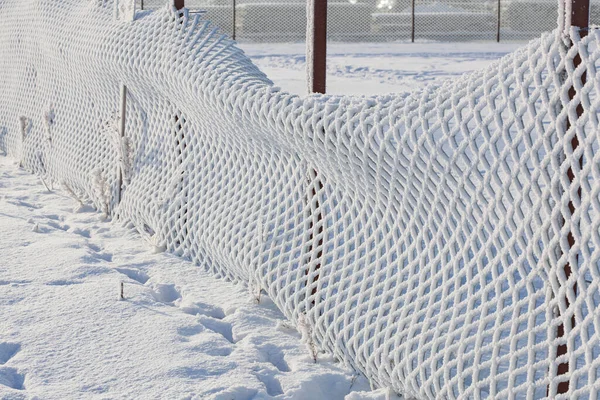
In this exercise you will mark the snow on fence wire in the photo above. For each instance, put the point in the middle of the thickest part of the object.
(431, 257)
(384, 20)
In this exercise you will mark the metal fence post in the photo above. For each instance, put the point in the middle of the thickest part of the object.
(179, 4)
(234, 16)
(316, 60)
(580, 12)
(499, 21)
(412, 21)
(317, 75)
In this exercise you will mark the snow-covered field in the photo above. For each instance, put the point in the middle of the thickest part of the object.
(375, 68)
(179, 332)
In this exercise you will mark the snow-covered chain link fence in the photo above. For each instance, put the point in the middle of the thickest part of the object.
(430, 256)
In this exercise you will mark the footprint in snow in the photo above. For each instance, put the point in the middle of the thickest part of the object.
(56, 225)
(275, 356)
(221, 327)
(63, 282)
(272, 384)
(134, 274)
(8, 351)
(97, 255)
(11, 378)
(193, 330)
(212, 349)
(81, 232)
(200, 308)
(165, 293)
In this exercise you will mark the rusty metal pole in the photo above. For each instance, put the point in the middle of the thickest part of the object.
(499, 21)
(317, 51)
(412, 21)
(234, 18)
(580, 13)
(316, 62)
(580, 16)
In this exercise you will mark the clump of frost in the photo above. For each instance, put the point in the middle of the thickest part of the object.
(25, 126)
(307, 337)
(123, 148)
(49, 118)
(102, 191)
(65, 186)
(152, 237)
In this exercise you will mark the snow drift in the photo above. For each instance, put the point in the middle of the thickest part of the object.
(420, 238)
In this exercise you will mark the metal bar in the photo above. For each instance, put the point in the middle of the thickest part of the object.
(499, 21)
(580, 15)
(122, 123)
(412, 21)
(319, 46)
(317, 186)
(141, 4)
(179, 4)
(317, 72)
(580, 19)
(234, 18)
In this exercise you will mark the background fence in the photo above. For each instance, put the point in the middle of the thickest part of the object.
(384, 20)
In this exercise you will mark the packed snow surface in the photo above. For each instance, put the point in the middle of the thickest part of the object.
(375, 68)
(178, 333)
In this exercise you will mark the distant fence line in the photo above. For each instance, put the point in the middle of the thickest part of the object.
(383, 20)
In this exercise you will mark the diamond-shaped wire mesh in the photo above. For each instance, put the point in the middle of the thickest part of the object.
(423, 238)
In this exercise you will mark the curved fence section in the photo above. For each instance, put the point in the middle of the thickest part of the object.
(443, 242)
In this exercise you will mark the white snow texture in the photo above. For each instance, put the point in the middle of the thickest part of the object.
(421, 238)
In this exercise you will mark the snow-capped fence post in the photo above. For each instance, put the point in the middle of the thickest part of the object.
(576, 14)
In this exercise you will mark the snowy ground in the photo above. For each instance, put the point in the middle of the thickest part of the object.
(179, 333)
(375, 68)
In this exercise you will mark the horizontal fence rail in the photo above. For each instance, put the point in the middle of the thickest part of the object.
(431, 254)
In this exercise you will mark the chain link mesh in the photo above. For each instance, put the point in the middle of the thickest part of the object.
(423, 238)
(385, 20)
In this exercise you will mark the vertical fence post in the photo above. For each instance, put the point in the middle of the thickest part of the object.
(580, 11)
(316, 54)
(499, 21)
(412, 21)
(234, 18)
(316, 64)
(179, 4)
(122, 121)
